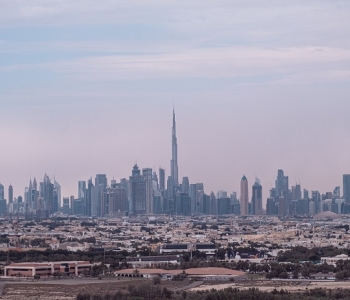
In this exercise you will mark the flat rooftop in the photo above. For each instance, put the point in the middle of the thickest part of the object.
(191, 272)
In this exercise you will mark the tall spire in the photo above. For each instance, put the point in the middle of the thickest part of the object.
(173, 164)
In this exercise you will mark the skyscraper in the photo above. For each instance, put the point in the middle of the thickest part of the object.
(346, 188)
(155, 179)
(244, 196)
(2, 192)
(193, 192)
(213, 204)
(271, 208)
(100, 188)
(65, 206)
(282, 192)
(90, 199)
(10, 194)
(169, 203)
(173, 179)
(173, 164)
(138, 191)
(336, 192)
(31, 196)
(58, 193)
(3, 207)
(183, 205)
(257, 198)
(46, 193)
(101, 179)
(185, 186)
(296, 192)
(82, 194)
(281, 184)
(81, 189)
(148, 177)
(10, 198)
(162, 180)
(118, 200)
(316, 198)
(224, 206)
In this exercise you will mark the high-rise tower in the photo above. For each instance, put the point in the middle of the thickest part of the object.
(244, 197)
(82, 195)
(2, 192)
(10, 199)
(47, 195)
(174, 167)
(10, 194)
(346, 188)
(90, 199)
(162, 180)
(3, 206)
(147, 174)
(257, 198)
(138, 191)
(281, 184)
(101, 186)
(58, 193)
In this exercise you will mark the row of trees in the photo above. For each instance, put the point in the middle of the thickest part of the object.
(299, 253)
(149, 292)
(116, 260)
(341, 269)
(143, 291)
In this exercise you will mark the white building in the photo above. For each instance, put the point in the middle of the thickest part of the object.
(334, 260)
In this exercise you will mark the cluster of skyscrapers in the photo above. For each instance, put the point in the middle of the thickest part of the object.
(146, 192)
(285, 201)
(41, 200)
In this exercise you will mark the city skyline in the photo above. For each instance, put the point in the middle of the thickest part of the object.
(255, 90)
(175, 146)
(173, 173)
(146, 193)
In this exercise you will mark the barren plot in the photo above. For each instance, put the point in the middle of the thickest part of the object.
(59, 292)
(269, 286)
(71, 288)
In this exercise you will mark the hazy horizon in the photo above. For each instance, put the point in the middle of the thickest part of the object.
(89, 87)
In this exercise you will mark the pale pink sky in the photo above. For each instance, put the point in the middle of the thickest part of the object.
(88, 87)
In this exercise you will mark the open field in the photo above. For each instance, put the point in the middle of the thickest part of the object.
(269, 286)
(68, 289)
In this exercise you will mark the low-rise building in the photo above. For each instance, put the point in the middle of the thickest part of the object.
(67, 268)
(154, 261)
(170, 248)
(334, 260)
(205, 274)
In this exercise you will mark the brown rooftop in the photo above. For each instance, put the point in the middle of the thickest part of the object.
(213, 271)
(33, 264)
(28, 264)
(192, 271)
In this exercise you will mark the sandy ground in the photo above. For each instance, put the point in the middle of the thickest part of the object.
(68, 289)
(271, 285)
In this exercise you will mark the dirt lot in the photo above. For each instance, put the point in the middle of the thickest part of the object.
(68, 289)
(271, 285)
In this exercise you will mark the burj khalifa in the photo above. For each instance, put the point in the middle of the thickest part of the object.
(173, 163)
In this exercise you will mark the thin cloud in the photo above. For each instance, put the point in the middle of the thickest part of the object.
(211, 63)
